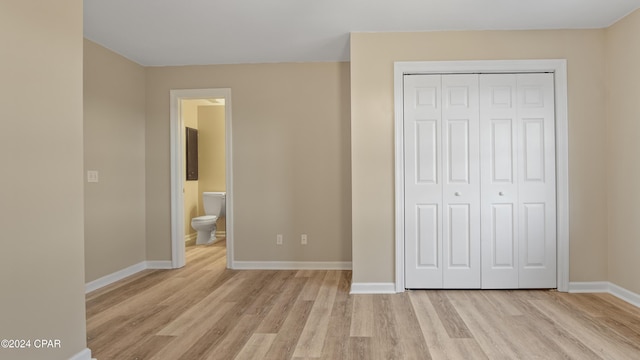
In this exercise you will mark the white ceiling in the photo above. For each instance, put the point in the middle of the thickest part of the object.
(188, 32)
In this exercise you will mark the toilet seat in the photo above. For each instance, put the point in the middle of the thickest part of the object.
(205, 218)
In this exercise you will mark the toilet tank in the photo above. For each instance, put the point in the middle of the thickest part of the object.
(214, 203)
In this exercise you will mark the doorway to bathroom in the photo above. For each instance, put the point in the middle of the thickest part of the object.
(206, 115)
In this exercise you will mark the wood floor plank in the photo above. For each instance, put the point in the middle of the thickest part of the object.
(440, 345)
(533, 331)
(547, 328)
(431, 328)
(360, 348)
(169, 287)
(314, 333)
(529, 337)
(210, 339)
(273, 322)
(125, 292)
(270, 294)
(607, 344)
(594, 305)
(249, 318)
(234, 341)
(312, 286)
(146, 349)
(456, 328)
(256, 347)
(335, 345)
(180, 345)
(144, 323)
(610, 300)
(194, 290)
(409, 332)
(362, 321)
(501, 301)
(205, 311)
(287, 338)
(207, 308)
(386, 344)
(486, 327)
(343, 303)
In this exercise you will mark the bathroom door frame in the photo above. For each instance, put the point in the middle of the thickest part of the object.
(177, 182)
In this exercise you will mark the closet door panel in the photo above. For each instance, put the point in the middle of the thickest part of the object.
(461, 185)
(459, 239)
(537, 185)
(458, 163)
(426, 152)
(501, 151)
(502, 237)
(499, 206)
(423, 181)
(533, 167)
(427, 231)
(534, 226)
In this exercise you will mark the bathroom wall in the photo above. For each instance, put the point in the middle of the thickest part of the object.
(372, 134)
(291, 144)
(41, 187)
(209, 120)
(623, 170)
(114, 133)
(191, 193)
(211, 151)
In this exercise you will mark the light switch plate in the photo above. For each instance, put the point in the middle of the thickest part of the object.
(92, 176)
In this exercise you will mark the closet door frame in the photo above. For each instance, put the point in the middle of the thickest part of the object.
(556, 66)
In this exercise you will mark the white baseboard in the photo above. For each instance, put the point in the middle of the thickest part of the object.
(292, 265)
(82, 355)
(624, 294)
(194, 236)
(113, 277)
(190, 239)
(373, 288)
(121, 274)
(605, 287)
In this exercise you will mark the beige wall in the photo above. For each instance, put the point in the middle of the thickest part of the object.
(212, 148)
(114, 125)
(372, 147)
(290, 157)
(623, 170)
(211, 152)
(41, 206)
(191, 192)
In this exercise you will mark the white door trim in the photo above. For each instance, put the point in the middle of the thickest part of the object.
(177, 183)
(559, 68)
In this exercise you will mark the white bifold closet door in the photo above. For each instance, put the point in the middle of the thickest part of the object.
(479, 181)
(442, 187)
(517, 146)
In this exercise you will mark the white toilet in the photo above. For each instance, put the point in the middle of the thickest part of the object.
(214, 208)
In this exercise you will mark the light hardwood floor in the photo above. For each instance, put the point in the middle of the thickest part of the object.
(204, 311)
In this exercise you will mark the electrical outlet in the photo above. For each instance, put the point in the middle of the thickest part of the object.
(92, 176)
(279, 239)
(303, 239)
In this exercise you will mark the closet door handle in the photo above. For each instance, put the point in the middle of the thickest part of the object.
(457, 193)
(501, 193)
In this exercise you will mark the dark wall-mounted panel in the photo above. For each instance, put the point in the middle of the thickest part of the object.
(192, 153)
